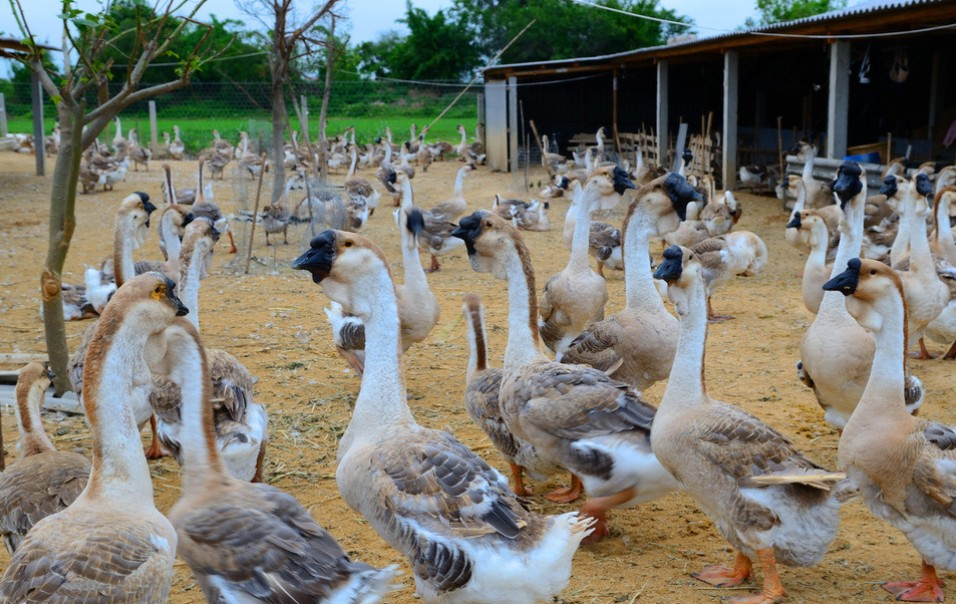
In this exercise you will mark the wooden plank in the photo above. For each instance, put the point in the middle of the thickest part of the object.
(21, 358)
(68, 403)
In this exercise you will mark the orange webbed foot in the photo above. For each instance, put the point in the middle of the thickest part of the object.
(914, 591)
(566, 494)
(721, 576)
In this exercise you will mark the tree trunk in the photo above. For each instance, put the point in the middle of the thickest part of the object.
(62, 223)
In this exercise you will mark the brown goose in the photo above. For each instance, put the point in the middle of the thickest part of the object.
(43, 481)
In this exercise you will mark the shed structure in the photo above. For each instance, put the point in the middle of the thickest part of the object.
(877, 79)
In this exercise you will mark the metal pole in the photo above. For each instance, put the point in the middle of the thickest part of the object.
(3, 117)
(153, 133)
(36, 96)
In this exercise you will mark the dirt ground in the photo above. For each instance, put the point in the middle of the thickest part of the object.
(272, 320)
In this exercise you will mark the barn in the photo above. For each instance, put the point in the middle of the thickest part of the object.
(872, 81)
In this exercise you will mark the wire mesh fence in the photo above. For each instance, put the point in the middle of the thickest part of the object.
(200, 108)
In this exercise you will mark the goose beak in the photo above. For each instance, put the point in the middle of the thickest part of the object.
(794, 222)
(889, 186)
(181, 310)
(681, 193)
(318, 260)
(847, 281)
(671, 268)
(923, 186)
(621, 181)
(468, 230)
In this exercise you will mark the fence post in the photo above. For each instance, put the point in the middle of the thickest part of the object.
(153, 134)
(305, 113)
(3, 117)
(36, 96)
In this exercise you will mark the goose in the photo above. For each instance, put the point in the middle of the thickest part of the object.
(111, 544)
(423, 156)
(436, 231)
(275, 220)
(721, 212)
(274, 550)
(138, 153)
(687, 157)
(943, 328)
(902, 465)
(575, 298)
(176, 149)
(114, 174)
(386, 173)
(359, 189)
(240, 424)
(119, 141)
(831, 215)
(604, 240)
(418, 308)
(205, 207)
(217, 163)
(816, 271)
(552, 162)
(463, 531)
(766, 499)
(221, 146)
(636, 345)
(531, 217)
(456, 205)
(836, 354)
(740, 253)
(51, 144)
(818, 193)
(926, 294)
(250, 162)
(576, 417)
(42, 481)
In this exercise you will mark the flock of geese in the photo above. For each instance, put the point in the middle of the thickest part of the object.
(91, 532)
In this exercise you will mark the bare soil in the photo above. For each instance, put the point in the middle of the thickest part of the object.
(272, 320)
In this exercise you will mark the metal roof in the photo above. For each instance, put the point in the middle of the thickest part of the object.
(770, 33)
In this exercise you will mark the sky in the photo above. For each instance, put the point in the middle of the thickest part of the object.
(369, 18)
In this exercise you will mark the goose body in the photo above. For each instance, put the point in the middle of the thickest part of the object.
(722, 258)
(111, 544)
(42, 481)
(816, 271)
(462, 529)
(902, 465)
(452, 208)
(943, 328)
(718, 453)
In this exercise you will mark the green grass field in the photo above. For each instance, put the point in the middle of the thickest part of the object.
(197, 132)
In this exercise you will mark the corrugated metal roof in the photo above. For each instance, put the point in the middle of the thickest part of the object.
(868, 7)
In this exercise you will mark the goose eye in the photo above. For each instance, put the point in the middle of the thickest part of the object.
(872, 271)
(488, 224)
(159, 289)
(348, 244)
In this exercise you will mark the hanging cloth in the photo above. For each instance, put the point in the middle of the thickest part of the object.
(900, 70)
(865, 67)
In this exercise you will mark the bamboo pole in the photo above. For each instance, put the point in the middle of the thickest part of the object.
(255, 215)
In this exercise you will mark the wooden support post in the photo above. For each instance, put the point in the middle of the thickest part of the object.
(537, 139)
(614, 131)
(153, 130)
(783, 173)
(255, 212)
(838, 101)
(36, 96)
(662, 132)
(3, 117)
(513, 139)
(729, 159)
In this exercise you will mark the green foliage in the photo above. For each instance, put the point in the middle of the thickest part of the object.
(777, 11)
(564, 29)
(243, 59)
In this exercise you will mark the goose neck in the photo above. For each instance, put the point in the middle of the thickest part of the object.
(686, 387)
(115, 376)
(169, 235)
(190, 371)
(411, 263)
(883, 397)
(478, 344)
(919, 243)
(582, 232)
(819, 242)
(523, 338)
(408, 198)
(190, 275)
(460, 182)
(352, 164)
(639, 289)
(945, 243)
(381, 403)
(33, 437)
(124, 237)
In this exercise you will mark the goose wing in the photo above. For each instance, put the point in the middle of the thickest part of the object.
(933, 474)
(595, 346)
(265, 546)
(231, 383)
(436, 492)
(482, 402)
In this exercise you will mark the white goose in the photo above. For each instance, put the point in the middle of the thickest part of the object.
(465, 534)
(111, 544)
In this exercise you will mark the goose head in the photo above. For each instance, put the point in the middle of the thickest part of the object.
(149, 298)
(850, 183)
(680, 269)
(605, 186)
(346, 266)
(808, 222)
(490, 241)
(199, 238)
(665, 200)
(687, 155)
(32, 379)
(412, 221)
(870, 288)
(133, 214)
(803, 150)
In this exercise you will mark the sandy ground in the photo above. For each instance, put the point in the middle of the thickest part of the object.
(272, 320)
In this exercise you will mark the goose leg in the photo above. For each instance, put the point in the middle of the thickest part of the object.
(352, 359)
(516, 474)
(566, 494)
(598, 508)
(721, 576)
(155, 450)
(260, 462)
(600, 269)
(232, 243)
(923, 353)
(772, 588)
(435, 267)
(927, 589)
(713, 317)
(951, 354)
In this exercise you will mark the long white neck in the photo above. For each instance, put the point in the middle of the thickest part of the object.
(460, 182)
(352, 165)
(801, 199)
(570, 218)
(686, 387)
(169, 234)
(639, 290)
(582, 232)
(408, 199)
(945, 244)
(411, 263)
(883, 398)
(904, 231)
(388, 153)
(119, 129)
(125, 240)
(116, 376)
(523, 339)
(919, 243)
(176, 132)
(464, 139)
(819, 240)
(807, 175)
(851, 241)
(33, 437)
(190, 276)
(190, 371)
(381, 404)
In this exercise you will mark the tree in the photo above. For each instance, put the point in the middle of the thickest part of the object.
(290, 42)
(564, 29)
(777, 11)
(87, 68)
